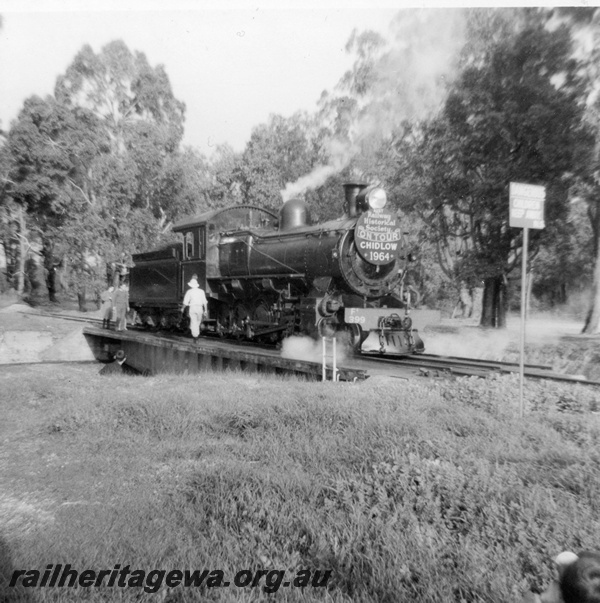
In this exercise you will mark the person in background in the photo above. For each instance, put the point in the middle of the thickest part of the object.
(121, 303)
(107, 307)
(195, 298)
(116, 367)
(578, 580)
(119, 366)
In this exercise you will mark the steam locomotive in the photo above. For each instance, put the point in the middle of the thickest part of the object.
(269, 276)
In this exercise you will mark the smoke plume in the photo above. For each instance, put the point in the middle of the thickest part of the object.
(340, 155)
(409, 81)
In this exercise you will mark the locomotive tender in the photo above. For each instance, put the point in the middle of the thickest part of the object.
(270, 276)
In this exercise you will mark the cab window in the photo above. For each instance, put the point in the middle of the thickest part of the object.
(189, 245)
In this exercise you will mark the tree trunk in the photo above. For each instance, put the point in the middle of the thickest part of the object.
(477, 304)
(81, 291)
(592, 322)
(50, 270)
(4, 270)
(494, 302)
(22, 253)
(464, 305)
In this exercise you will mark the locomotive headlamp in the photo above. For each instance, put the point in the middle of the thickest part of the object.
(376, 198)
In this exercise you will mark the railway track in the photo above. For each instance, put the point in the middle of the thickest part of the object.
(456, 364)
(86, 319)
(427, 365)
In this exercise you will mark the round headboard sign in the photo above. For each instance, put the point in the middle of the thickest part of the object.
(378, 236)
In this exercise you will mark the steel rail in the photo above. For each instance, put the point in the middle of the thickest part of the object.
(477, 367)
(421, 359)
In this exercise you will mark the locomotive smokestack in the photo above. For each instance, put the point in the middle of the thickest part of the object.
(351, 192)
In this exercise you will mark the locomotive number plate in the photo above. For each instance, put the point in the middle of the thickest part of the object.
(368, 318)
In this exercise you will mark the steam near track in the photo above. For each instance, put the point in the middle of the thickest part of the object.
(306, 348)
(494, 344)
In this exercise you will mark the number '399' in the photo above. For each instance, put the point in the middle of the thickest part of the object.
(356, 319)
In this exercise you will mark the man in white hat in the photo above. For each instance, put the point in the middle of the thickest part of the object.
(195, 298)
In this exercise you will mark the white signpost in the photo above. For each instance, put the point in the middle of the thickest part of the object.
(526, 211)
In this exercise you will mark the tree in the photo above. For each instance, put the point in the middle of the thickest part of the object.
(585, 22)
(124, 92)
(96, 171)
(9, 226)
(224, 169)
(277, 153)
(45, 156)
(97, 166)
(512, 115)
(184, 186)
(137, 110)
(563, 267)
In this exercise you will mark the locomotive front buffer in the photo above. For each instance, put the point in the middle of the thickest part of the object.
(386, 333)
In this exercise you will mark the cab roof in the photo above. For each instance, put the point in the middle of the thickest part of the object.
(235, 217)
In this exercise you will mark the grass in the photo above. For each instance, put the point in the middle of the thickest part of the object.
(406, 491)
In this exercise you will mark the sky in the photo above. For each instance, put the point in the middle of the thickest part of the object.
(232, 62)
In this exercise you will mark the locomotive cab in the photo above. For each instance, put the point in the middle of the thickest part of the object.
(213, 256)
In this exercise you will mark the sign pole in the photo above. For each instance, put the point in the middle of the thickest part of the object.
(334, 369)
(526, 210)
(524, 253)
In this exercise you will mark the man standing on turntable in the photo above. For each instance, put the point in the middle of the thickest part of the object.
(195, 298)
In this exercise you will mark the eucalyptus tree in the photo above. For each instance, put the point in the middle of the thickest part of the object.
(585, 24)
(278, 153)
(123, 90)
(10, 221)
(563, 268)
(95, 166)
(224, 169)
(51, 152)
(135, 105)
(513, 114)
